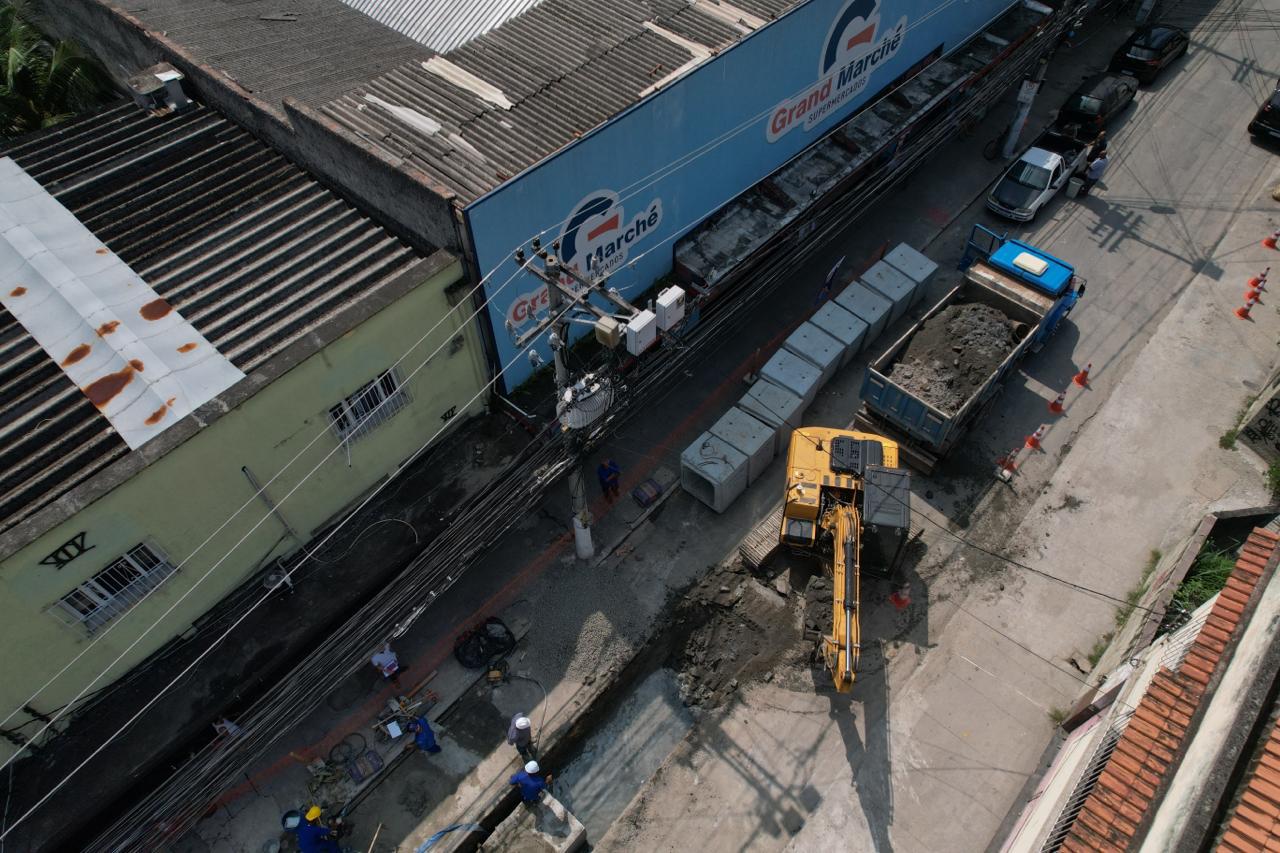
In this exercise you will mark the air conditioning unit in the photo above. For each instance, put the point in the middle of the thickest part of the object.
(670, 307)
(158, 89)
(642, 331)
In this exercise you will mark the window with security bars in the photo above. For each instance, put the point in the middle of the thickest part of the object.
(115, 589)
(371, 406)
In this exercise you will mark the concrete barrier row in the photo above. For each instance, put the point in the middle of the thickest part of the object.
(720, 464)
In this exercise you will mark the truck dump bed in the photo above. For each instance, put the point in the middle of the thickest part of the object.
(912, 409)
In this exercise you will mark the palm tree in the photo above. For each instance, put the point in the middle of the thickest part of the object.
(41, 82)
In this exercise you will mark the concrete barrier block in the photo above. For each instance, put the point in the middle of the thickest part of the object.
(788, 370)
(755, 438)
(868, 306)
(840, 324)
(713, 471)
(893, 285)
(816, 347)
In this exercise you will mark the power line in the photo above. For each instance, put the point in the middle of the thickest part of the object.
(147, 705)
(261, 726)
(253, 529)
(975, 546)
(633, 189)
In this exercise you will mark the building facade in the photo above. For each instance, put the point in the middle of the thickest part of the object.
(352, 357)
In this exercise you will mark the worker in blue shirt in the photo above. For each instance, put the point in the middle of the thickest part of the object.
(609, 474)
(531, 785)
(315, 837)
(423, 737)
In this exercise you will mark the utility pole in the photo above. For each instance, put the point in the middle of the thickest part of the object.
(561, 302)
(1026, 97)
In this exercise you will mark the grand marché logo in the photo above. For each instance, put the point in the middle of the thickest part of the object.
(856, 45)
(594, 240)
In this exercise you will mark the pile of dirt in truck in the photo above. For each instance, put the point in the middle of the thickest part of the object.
(953, 353)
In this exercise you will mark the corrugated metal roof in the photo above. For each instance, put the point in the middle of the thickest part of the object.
(139, 360)
(1161, 724)
(469, 143)
(312, 50)
(442, 24)
(248, 247)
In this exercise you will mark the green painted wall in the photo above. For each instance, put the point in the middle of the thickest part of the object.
(179, 500)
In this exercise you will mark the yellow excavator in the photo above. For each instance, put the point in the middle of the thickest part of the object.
(848, 503)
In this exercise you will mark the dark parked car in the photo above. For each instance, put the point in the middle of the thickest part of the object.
(1149, 49)
(1267, 120)
(1093, 104)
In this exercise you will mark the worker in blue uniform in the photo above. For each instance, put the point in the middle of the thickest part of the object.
(531, 785)
(315, 837)
(423, 737)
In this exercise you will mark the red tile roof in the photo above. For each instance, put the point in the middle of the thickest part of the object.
(1254, 823)
(1157, 732)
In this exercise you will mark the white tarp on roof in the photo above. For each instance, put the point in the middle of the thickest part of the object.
(442, 25)
(125, 347)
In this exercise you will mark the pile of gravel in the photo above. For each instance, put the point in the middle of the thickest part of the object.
(953, 353)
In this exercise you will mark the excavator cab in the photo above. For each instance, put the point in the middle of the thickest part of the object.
(845, 497)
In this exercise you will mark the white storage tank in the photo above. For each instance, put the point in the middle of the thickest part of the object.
(775, 406)
(755, 438)
(788, 370)
(868, 306)
(840, 324)
(914, 266)
(816, 347)
(893, 285)
(713, 471)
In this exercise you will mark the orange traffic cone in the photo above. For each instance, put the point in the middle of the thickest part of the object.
(1270, 242)
(1254, 294)
(1056, 405)
(1259, 281)
(1033, 440)
(1082, 378)
(1243, 311)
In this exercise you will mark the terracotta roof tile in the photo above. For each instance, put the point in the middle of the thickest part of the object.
(1155, 735)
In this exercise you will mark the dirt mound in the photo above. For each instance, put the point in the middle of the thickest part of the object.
(735, 628)
(953, 354)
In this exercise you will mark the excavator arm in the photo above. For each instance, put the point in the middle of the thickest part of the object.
(842, 647)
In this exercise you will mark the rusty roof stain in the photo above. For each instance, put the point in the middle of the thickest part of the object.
(1159, 730)
(251, 249)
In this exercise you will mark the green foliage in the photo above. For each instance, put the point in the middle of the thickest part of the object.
(1228, 439)
(1208, 575)
(42, 82)
(1133, 596)
(1099, 648)
(1273, 479)
(1057, 715)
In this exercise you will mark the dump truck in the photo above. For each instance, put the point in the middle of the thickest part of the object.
(922, 399)
(849, 504)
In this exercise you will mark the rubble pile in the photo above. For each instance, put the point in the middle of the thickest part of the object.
(736, 628)
(953, 353)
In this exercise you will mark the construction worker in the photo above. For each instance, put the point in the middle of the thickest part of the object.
(1094, 173)
(423, 737)
(315, 837)
(387, 662)
(531, 785)
(1099, 146)
(520, 735)
(609, 475)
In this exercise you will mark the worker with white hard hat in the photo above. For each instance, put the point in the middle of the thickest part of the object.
(531, 785)
(520, 735)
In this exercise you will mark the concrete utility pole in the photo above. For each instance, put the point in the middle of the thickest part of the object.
(558, 321)
(1026, 97)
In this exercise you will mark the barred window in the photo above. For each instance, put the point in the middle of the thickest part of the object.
(371, 406)
(115, 589)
